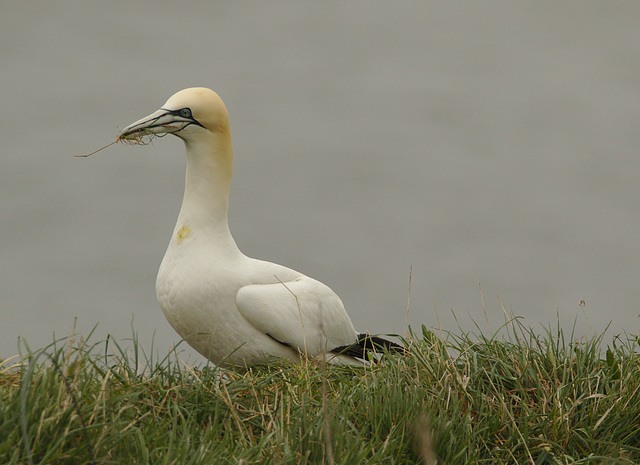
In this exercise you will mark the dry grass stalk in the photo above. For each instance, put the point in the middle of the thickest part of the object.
(142, 137)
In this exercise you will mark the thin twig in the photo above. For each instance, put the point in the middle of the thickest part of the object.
(304, 332)
(141, 137)
(406, 319)
(325, 405)
(96, 151)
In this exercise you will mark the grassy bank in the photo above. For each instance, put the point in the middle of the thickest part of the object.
(513, 398)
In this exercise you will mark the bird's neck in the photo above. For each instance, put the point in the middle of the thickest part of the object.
(206, 195)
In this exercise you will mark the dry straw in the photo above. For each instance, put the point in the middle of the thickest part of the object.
(142, 137)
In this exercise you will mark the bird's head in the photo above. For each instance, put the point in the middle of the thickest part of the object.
(188, 114)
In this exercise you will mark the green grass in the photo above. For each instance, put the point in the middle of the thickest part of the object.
(513, 398)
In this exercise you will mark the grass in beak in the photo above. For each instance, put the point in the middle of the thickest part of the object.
(142, 137)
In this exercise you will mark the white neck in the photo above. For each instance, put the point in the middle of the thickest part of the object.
(206, 194)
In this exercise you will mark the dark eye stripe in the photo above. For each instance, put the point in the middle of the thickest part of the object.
(184, 113)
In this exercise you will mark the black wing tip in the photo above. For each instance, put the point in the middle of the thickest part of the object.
(368, 344)
(377, 343)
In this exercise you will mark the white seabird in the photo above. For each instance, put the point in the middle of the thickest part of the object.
(235, 310)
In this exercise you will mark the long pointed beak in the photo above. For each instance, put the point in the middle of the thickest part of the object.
(161, 122)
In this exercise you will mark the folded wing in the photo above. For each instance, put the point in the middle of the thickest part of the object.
(302, 313)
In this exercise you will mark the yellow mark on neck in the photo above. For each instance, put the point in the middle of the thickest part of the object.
(182, 233)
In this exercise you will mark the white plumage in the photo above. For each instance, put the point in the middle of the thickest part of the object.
(233, 309)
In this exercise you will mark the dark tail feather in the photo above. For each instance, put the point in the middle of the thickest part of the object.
(369, 344)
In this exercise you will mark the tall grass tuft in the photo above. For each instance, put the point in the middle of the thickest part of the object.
(512, 398)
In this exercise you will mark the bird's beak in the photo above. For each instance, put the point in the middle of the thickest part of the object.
(161, 122)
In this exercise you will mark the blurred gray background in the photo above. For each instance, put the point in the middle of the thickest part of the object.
(492, 146)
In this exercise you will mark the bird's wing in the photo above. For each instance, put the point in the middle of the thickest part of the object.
(302, 313)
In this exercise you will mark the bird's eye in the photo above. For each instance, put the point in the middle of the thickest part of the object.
(185, 113)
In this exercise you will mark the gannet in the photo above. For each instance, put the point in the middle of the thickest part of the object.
(232, 309)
